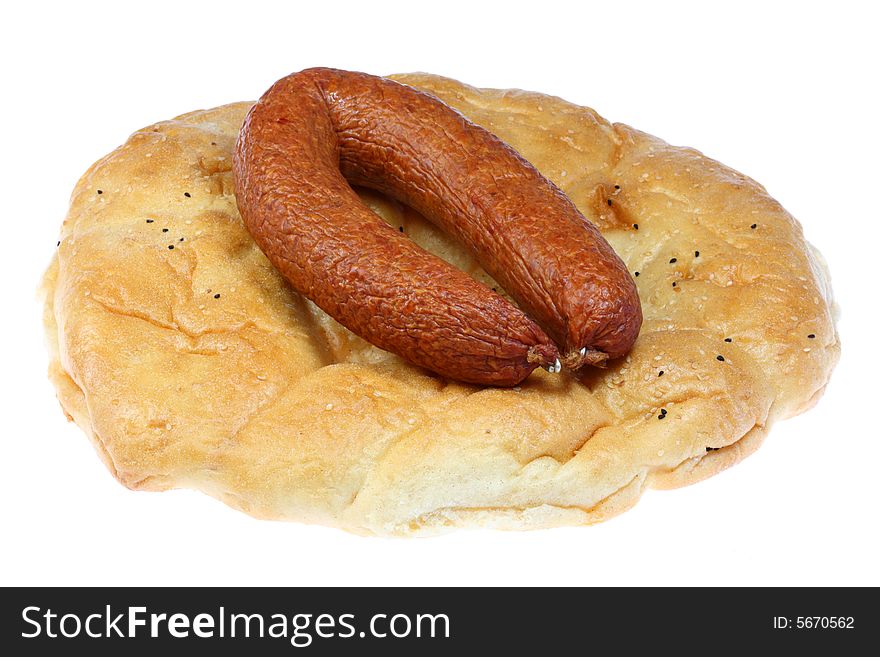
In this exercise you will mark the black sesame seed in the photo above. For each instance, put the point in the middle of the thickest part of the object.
(187, 194)
(180, 240)
(728, 339)
(753, 226)
(617, 187)
(812, 336)
(149, 221)
(660, 373)
(719, 357)
(100, 191)
(58, 243)
(217, 296)
(213, 143)
(171, 247)
(674, 284)
(400, 228)
(610, 202)
(636, 226)
(661, 417)
(712, 449)
(636, 274)
(663, 411)
(696, 254)
(494, 289)
(673, 260)
(164, 230)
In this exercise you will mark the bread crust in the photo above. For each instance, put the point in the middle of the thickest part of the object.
(258, 398)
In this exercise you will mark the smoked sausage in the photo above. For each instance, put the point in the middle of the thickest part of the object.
(316, 131)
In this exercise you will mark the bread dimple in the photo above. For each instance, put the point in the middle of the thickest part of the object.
(258, 398)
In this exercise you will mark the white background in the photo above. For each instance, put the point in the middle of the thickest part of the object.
(783, 92)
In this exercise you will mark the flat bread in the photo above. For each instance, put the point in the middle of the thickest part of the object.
(189, 361)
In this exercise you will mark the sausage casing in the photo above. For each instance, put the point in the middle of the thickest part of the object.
(316, 131)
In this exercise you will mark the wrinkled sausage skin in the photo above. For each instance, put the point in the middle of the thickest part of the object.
(316, 131)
